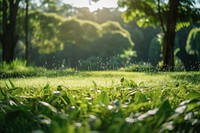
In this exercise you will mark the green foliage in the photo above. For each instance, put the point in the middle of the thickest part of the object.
(125, 106)
(114, 27)
(51, 31)
(78, 43)
(142, 11)
(128, 55)
(140, 67)
(17, 64)
(149, 13)
(193, 44)
(100, 63)
(44, 27)
(155, 50)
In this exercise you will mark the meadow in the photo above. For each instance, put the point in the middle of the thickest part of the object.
(69, 101)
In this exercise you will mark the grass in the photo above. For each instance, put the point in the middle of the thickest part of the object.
(99, 101)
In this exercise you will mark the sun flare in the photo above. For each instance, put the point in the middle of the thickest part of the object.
(92, 5)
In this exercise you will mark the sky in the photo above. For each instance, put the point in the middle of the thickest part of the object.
(92, 5)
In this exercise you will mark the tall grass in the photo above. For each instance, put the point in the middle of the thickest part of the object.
(15, 65)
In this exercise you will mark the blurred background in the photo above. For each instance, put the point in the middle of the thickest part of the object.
(88, 35)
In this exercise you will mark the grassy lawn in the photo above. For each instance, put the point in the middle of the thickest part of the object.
(100, 101)
(84, 79)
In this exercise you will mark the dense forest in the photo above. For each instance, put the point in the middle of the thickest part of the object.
(56, 35)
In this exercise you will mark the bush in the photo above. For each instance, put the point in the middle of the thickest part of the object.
(98, 63)
(193, 43)
(17, 64)
(155, 50)
(140, 67)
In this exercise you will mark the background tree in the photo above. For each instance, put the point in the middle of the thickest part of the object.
(189, 60)
(69, 41)
(193, 47)
(8, 34)
(170, 15)
(26, 30)
(193, 44)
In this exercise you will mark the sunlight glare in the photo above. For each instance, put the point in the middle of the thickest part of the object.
(92, 5)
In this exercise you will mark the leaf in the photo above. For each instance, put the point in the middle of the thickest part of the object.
(11, 83)
(59, 88)
(64, 101)
(193, 95)
(13, 115)
(180, 109)
(128, 83)
(2, 93)
(164, 112)
(193, 105)
(147, 114)
(11, 102)
(139, 97)
(16, 91)
(103, 98)
(141, 83)
(53, 109)
(122, 80)
(94, 84)
(43, 119)
(54, 98)
(46, 89)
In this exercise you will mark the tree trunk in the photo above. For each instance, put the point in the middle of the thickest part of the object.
(9, 37)
(8, 41)
(169, 37)
(26, 32)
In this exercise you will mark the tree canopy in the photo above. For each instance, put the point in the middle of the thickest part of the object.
(154, 12)
(170, 15)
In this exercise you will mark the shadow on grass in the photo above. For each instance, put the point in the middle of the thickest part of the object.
(62, 73)
(39, 73)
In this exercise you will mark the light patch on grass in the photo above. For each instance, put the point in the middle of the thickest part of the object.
(84, 79)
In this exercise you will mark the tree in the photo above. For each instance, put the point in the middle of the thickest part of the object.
(8, 36)
(193, 44)
(69, 40)
(193, 47)
(26, 31)
(189, 60)
(171, 15)
(45, 31)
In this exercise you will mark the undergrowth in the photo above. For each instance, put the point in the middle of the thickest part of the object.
(122, 107)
